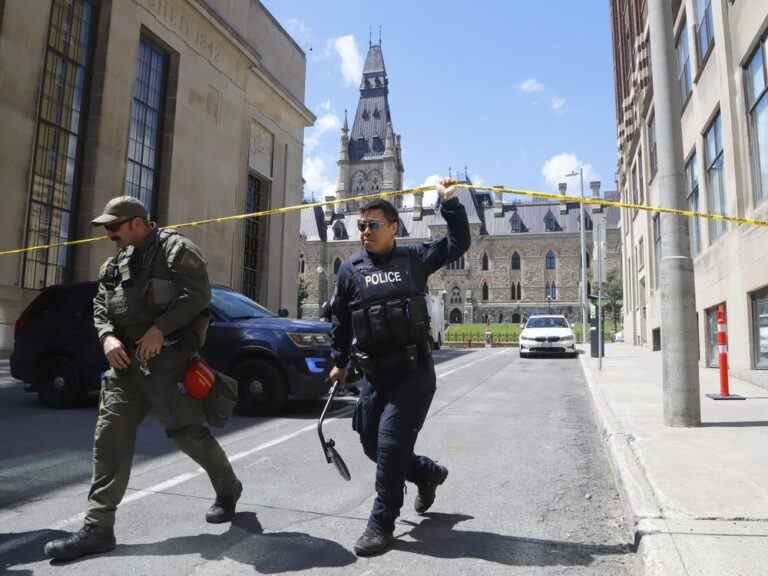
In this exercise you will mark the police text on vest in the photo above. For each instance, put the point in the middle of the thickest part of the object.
(382, 278)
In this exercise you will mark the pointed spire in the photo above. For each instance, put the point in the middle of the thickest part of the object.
(345, 128)
(379, 35)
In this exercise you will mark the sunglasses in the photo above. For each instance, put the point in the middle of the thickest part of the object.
(372, 224)
(115, 226)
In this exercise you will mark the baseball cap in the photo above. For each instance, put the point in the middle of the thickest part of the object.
(121, 208)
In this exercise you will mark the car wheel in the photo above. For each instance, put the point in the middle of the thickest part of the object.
(523, 354)
(262, 388)
(59, 384)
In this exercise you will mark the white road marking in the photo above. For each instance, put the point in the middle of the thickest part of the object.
(172, 482)
(482, 359)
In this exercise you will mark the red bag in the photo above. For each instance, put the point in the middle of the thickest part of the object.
(199, 379)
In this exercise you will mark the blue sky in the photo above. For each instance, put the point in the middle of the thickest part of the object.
(519, 92)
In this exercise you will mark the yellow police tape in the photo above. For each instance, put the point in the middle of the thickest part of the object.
(420, 190)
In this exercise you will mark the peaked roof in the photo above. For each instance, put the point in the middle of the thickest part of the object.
(374, 61)
(369, 128)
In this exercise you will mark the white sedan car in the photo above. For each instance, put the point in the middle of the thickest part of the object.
(547, 334)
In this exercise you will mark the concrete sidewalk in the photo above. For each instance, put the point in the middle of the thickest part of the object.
(696, 498)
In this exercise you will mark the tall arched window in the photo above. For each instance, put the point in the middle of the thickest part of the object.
(485, 291)
(455, 295)
(516, 293)
(551, 291)
(519, 292)
(485, 262)
(457, 264)
(586, 257)
(302, 264)
(456, 316)
(336, 265)
(515, 261)
(550, 222)
(551, 261)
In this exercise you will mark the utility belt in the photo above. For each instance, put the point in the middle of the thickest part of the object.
(392, 324)
(405, 360)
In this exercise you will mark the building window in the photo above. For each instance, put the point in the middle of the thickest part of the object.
(516, 224)
(640, 254)
(457, 264)
(485, 291)
(550, 222)
(455, 295)
(142, 175)
(336, 265)
(340, 231)
(58, 147)
(302, 264)
(715, 177)
(587, 259)
(255, 238)
(683, 63)
(692, 189)
(757, 104)
(551, 291)
(652, 156)
(456, 316)
(516, 293)
(515, 261)
(705, 32)
(485, 262)
(641, 175)
(713, 357)
(551, 261)
(656, 249)
(760, 327)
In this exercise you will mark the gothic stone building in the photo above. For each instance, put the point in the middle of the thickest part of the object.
(524, 257)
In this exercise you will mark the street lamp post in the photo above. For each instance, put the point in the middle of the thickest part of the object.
(583, 291)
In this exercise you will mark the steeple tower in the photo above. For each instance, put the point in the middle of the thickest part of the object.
(373, 161)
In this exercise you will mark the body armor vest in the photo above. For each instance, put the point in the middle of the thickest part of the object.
(140, 288)
(390, 311)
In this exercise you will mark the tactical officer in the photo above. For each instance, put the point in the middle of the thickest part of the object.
(151, 314)
(381, 319)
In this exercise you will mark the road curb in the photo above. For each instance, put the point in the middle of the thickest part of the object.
(656, 551)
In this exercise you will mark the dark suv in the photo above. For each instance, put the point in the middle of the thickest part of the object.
(58, 353)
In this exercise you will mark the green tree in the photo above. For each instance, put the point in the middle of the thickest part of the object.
(301, 295)
(614, 295)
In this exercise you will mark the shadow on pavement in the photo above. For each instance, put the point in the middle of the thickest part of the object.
(245, 542)
(435, 536)
(31, 550)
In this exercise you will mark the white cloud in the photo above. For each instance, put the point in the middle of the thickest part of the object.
(318, 183)
(430, 198)
(531, 85)
(555, 169)
(327, 123)
(558, 103)
(351, 58)
(326, 106)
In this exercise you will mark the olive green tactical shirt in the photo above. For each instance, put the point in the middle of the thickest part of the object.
(164, 283)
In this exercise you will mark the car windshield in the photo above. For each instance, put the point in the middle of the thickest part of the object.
(547, 323)
(235, 306)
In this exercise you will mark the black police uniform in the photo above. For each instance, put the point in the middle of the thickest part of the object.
(380, 317)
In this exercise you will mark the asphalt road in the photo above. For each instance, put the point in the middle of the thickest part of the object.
(529, 491)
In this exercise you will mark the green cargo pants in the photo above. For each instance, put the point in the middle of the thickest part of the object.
(126, 398)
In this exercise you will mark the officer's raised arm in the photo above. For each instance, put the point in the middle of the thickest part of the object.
(437, 254)
(341, 331)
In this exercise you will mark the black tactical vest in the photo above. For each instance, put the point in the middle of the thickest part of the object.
(390, 310)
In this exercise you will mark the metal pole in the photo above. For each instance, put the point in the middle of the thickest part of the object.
(601, 224)
(583, 262)
(680, 370)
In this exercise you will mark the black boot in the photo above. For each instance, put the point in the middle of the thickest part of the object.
(89, 539)
(372, 542)
(223, 509)
(426, 496)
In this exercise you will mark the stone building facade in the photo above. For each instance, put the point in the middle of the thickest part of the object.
(721, 50)
(524, 257)
(195, 106)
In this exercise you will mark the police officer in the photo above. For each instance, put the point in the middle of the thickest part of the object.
(151, 314)
(381, 319)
